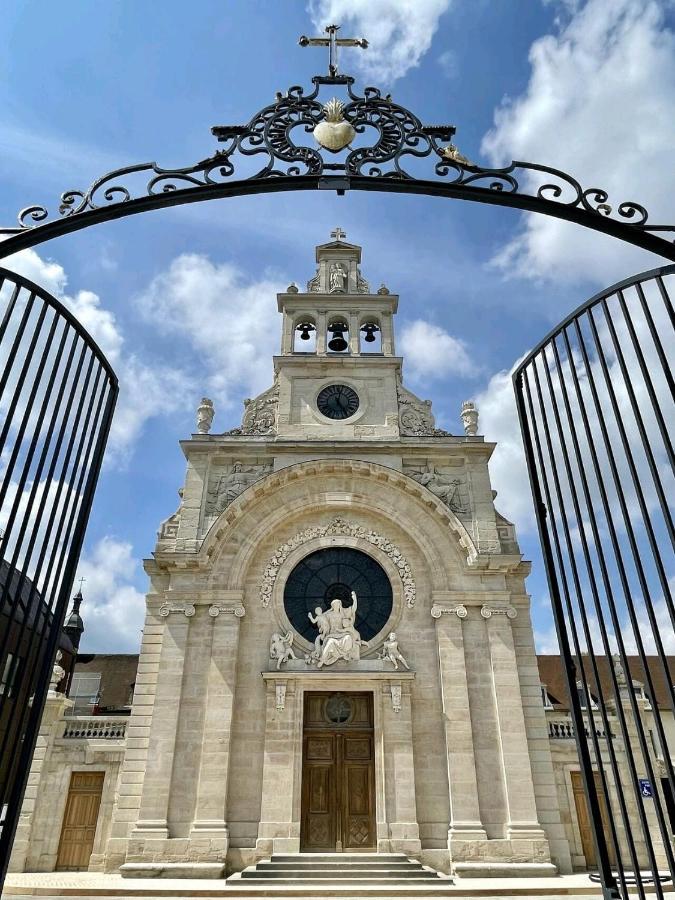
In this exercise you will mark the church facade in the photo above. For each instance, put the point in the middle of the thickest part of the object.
(337, 652)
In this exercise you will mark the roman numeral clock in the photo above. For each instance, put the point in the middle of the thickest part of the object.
(337, 401)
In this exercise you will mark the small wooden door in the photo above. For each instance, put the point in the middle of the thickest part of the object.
(584, 819)
(338, 773)
(79, 820)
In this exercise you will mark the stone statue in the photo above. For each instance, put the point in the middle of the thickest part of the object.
(337, 278)
(445, 487)
(205, 414)
(391, 652)
(281, 647)
(58, 673)
(227, 487)
(338, 637)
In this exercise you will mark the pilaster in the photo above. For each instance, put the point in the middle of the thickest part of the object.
(210, 821)
(522, 820)
(152, 817)
(399, 763)
(465, 822)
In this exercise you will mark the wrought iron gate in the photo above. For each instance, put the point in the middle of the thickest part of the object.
(597, 412)
(57, 395)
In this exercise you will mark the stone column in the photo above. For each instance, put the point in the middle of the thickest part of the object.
(354, 333)
(210, 822)
(279, 828)
(522, 820)
(400, 768)
(321, 323)
(152, 816)
(465, 821)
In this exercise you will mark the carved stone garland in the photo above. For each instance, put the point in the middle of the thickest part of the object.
(338, 526)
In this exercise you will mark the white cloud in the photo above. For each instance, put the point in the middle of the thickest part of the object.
(231, 323)
(508, 470)
(598, 105)
(448, 64)
(432, 353)
(113, 610)
(146, 389)
(399, 32)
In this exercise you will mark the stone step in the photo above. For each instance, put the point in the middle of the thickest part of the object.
(401, 865)
(353, 875)
(362, 880)
(339, 857)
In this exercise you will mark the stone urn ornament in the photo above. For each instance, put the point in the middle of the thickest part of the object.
(335, 132)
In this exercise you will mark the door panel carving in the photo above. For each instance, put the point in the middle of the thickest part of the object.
(338, 777)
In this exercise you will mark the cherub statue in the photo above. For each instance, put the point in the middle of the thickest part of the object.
(281, 648)
(391, 652)
(58, 672)
(320, 619)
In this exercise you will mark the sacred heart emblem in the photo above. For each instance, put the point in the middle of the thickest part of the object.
(334, 133)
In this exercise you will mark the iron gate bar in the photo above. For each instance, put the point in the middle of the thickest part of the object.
(57, 418)
(399, 137)
(573, 504)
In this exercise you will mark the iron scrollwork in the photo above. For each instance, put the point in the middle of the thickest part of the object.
(298, 139)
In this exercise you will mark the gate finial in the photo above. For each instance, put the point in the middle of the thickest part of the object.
(332, 42)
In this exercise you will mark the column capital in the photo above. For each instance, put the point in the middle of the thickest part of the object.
(188, 609)
(488, 611)
(460, 611)
(215, 611)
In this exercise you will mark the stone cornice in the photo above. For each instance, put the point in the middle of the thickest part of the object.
(266, 445)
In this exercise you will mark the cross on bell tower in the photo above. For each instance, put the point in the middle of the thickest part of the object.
(332, 42)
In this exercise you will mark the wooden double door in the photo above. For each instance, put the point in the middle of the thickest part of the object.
(338, 773)
(79, 820)
(584, 819)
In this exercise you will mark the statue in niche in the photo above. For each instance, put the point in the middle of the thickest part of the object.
(445, 487)
(281, 648)
(391, 652)
(337, 278)
(338, 637)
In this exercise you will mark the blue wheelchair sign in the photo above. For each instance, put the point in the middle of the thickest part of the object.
(646, 787)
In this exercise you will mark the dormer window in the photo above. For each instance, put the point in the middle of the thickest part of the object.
(545, 697)
(582, 697)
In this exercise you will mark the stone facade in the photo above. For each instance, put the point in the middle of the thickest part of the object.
(212, 769)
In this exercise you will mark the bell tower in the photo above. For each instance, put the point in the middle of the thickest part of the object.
(337, 372)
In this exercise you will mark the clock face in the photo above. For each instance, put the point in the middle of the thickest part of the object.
(337, 401)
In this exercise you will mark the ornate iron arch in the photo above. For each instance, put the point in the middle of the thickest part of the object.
(367, 143)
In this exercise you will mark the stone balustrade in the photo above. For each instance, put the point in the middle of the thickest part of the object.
(94, 727)
(563, 729)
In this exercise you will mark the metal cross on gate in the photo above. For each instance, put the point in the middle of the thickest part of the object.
(332, 42)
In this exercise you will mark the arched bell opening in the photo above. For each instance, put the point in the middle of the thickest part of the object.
(370, 336)
(304, 335)
(338, 336)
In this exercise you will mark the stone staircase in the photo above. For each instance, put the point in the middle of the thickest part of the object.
(346, 874)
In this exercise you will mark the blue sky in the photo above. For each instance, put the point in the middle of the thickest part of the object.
(183, 300)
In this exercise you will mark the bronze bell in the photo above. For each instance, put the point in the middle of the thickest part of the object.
(337, 343)
(369, 328)
(304, 328)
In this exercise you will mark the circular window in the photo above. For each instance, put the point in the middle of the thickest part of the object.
(336, 572)
(338, 709)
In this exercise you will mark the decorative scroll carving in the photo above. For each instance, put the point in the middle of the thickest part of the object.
(339, 526)
(281, 137)
(224, 487)
(415, 416)
(187, 609)
(314, 284)
(280, 694)
(488, 611)
(460, 611)
(445, 485)
(238, 611)
(362, 285)
(168, 529)
(260, 414)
